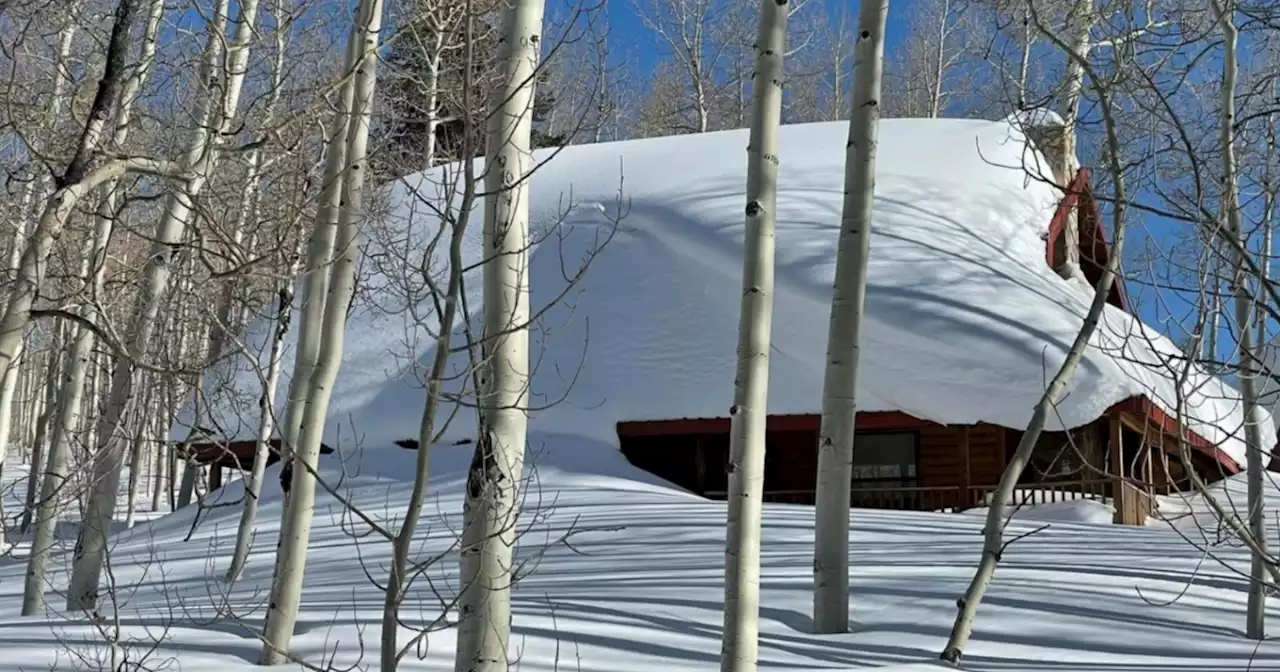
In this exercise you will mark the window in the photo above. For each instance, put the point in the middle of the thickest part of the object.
(883, 464)
(885, 459)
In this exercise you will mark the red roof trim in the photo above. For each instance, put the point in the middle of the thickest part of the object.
(1093, 239)
(899, 421)
(1142, 406)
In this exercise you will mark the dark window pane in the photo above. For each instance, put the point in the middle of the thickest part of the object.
(885, 459)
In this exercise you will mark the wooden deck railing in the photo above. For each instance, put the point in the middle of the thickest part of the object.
(948, 498)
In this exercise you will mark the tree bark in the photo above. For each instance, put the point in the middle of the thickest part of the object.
(295, 533)
(1024, 64)
(160, 464)
(492, 501)
(840, 381)
(740, 645)
(1080, 30)
(939, 62)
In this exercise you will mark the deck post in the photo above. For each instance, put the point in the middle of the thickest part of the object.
(1115, 455)
(1124, 496)
(215, 476)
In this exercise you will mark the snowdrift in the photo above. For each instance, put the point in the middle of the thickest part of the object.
(966, 321)
(641, 589)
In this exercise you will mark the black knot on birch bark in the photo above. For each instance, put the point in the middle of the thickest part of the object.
(735, 409)
(780, 3)
(864, 35)
(753, 208)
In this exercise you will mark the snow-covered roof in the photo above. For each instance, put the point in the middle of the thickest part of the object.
(965, 321)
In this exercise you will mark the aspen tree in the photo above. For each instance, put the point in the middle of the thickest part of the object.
(492, 502)
(284, 310)
(840, 381)
(295, 532)
(1255, 620)
(740, 646)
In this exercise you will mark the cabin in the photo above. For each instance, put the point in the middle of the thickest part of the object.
(219, 456)
(904, 462)
(1131, 453)
(985, 243)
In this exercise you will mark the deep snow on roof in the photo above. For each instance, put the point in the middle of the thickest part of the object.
(965, 321)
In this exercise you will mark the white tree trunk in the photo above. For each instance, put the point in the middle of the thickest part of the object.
(146, 418)
(315, 283)
(266, 405)
(37, 454)
(840, 381)
(433, 95)
(740, 645)
(993, 539)
(160, 465)
(93, 265)
(8, 386)
(940, 61)
(215, 119)
(1255, 620)
(1024, 64)
(1080, 28)
(493, 502)
(27, 407)
(187, 487)
(295, 532)
(703, 107)
(56, 486)
(284, 291)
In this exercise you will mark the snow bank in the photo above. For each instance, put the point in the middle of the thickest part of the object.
(641, 588)
(1089, 511)
(966, 321)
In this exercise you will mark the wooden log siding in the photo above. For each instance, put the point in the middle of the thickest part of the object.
(957, 467)
(945, 463)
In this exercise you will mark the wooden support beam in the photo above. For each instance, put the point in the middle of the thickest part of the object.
(1115, 464)
(1132, 504)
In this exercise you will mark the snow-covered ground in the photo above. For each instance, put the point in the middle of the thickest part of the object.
(640, 589)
